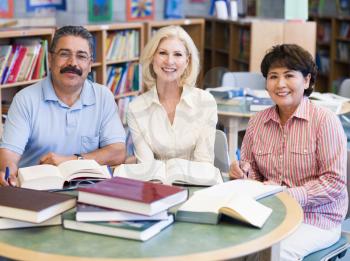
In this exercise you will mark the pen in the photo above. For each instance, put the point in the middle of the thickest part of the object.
(110, 170)
(7, 173)
(238, 154)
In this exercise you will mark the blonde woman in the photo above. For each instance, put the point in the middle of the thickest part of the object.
(173, 118)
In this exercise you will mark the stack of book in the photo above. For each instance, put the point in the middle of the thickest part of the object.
(125, 208)
(21, 207)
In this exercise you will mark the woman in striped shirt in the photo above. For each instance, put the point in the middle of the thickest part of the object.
(300, 146)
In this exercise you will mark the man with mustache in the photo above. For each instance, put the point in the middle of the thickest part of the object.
(64, 116)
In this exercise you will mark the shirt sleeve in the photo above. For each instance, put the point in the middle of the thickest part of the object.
(204, 149)
(247, 151)
(143, 151)
(331, 156)
(17, 126)
(112, 130)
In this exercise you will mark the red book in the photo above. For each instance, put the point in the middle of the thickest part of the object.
(17, 65)
(134, 196)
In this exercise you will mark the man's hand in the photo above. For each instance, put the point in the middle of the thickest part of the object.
(238, 170)
(55, 159)
(12, 181)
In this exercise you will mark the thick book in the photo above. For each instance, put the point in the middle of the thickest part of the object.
(137, 230)
(86, 212)
(130, 195)
(33, 205)
(46, 177)
(236, 199)
(173, 171)
(8, 223)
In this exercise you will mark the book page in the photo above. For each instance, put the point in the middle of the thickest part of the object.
(81, 168)
(247, 187)
(183, 171)
(145, 171)
(246, 209)
(202, 203)
(40, 177)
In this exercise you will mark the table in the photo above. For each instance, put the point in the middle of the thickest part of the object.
(181, 241)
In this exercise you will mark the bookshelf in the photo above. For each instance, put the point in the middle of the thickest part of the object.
(240, 45)
(194, 27)
(18, 35)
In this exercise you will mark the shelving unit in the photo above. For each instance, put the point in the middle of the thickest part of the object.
(240, 45)
(8, 37)
(194, 27)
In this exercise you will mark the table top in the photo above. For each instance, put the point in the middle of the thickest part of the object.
(180, 241)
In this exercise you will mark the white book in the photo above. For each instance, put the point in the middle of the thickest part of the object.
(236, 199)
(46, 177)
(173, 171)
(8, 223)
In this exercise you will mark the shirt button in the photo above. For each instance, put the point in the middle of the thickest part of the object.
(281, 156)
(305, 150)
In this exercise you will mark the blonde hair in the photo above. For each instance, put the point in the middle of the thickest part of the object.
(190, 74)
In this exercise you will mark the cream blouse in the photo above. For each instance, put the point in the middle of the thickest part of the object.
(191, 136)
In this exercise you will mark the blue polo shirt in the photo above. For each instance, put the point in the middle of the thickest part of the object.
(38, 122)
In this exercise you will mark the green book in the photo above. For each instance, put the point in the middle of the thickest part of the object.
(137, 230)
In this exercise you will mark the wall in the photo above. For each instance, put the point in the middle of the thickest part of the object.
(77, 11)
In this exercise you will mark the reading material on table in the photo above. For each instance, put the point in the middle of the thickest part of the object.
(236, 199)
(8, 223)
(173, 171)
(46, 177)
(134, 196)
(138, 230)
(33, 205)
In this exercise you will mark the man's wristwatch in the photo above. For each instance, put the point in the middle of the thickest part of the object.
(79, 156)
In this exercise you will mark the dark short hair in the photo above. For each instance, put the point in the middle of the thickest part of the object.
(293, 57)
(71, 30)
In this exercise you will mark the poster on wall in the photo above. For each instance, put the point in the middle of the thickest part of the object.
(35, 5)
(6, 8)
(100, 10)
(138, 10)
(173, 9)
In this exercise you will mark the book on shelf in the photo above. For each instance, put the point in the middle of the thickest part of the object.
(130, 195)
(86, 212)
(5, 52)
(259, 104)
(33, 205)
(46, 176)
(137, 230)
(236, 199)
(173, 171)
(8, 223)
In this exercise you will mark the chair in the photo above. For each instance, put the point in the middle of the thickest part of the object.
(344, 89)
(337, 250)
(222, 160)
(250, 80)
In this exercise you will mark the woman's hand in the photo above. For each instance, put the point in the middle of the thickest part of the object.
(238, 169)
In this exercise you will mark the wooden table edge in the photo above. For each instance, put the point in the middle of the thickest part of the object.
(294, 216)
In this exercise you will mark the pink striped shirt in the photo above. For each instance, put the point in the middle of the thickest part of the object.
(307, 154)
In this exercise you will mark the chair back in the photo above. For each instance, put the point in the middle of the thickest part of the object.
(222, 160)
(344, 89)
(251, 80)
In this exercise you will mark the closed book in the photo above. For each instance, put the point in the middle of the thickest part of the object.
(12, 78)
(130, 195)
(8, 223)
(93, 213)
(47, 177)
(5, 52)
(137, 230)
(33, 205)
(173, 171)
(236, 199)
(259, 104)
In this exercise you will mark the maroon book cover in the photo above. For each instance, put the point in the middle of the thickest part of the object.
(124, 188)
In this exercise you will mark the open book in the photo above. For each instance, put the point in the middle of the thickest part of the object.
(173, 171)
(236, 199)
(46, 177)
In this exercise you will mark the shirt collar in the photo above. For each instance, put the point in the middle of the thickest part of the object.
(87, 96)
(302, 112)
(186, 96)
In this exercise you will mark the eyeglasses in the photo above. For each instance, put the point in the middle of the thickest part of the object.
(81, 57)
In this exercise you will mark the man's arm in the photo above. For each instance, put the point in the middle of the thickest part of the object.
(9, 159)
(113, 154)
